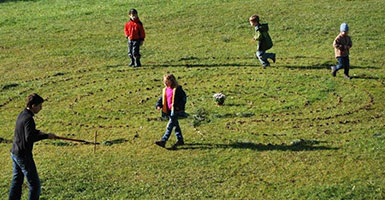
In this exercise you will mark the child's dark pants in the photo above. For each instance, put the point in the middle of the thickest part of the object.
(133, 48)
(263, 56)
(133, 51)
(343, 62)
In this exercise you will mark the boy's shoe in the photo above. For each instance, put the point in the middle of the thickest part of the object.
(273, 58)
(161, 143)
(334, 71)
(347, 76)
(179, 143)
(137, 62)
(132, 62)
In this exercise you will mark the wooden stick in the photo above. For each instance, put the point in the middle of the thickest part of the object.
(74, 140)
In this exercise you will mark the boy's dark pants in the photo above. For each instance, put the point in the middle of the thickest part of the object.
(24, 166)
(173, 122)
(343, 62)
(133, 51)
(263, 56)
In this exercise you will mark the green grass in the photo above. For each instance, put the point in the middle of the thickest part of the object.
(74, 54)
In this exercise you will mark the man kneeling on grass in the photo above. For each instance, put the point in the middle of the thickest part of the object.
(21, 152)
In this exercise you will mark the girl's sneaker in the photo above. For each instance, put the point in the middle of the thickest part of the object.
(161, 143)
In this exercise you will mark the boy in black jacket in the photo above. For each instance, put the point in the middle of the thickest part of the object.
(21, 152)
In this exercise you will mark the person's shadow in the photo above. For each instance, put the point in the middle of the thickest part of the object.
(252, 146)
(3, 140)
(365, 77)
(322, 66)
(3, 1)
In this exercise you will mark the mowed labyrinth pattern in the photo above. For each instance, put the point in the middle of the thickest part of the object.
(263, 103)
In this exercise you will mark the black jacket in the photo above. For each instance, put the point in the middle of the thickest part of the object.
(25, 134)
(180, 100)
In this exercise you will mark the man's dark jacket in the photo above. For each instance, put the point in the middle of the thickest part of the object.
(25, 134)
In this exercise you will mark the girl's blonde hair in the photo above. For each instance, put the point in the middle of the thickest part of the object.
(172, 79)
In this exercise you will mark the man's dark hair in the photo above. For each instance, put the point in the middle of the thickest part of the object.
(132, 11)
(34, 99)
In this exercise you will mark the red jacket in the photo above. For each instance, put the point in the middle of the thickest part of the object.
(134, 30)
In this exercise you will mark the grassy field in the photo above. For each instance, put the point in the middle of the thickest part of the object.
(291, 131)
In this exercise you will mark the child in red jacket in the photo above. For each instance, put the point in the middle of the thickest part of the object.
(134, 32)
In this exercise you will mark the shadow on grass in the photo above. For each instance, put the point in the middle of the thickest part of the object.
(3, 1)
(326, 66)
(235, 104)
(252, 146)
(232, 115)
(365, 77)
(323, 66)
(203, 65)
(8, 86)
(116, 141)
(3, 140)
(163, 65)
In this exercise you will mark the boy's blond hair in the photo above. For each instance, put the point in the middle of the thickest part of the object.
(254, 18)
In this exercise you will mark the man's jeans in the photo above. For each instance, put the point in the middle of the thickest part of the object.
(263, 56)
(173, 122)
(24, 166)
(343, 62)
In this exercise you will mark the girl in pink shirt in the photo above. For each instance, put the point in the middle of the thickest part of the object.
(172, 102)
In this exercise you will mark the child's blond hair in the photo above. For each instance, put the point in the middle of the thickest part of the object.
(172, 79)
